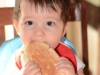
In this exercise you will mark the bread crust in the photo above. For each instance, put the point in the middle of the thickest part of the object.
(43, 55)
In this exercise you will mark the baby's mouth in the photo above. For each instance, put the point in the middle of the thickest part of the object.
(41, 42)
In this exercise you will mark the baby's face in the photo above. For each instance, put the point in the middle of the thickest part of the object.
(40, 25)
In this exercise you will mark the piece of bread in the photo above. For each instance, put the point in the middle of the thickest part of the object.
(43, 55)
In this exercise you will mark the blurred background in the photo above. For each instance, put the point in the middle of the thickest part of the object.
(73, 33)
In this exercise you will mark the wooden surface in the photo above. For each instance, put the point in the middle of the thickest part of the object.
(93, 15)
(6, 16)
(2, 35)
(84, 37)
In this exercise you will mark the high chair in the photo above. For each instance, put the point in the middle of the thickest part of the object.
(6, 16)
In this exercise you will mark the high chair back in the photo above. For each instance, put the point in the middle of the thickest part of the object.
(6, 16)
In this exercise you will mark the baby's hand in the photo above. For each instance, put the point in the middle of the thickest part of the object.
(30, 68)
(63, 65)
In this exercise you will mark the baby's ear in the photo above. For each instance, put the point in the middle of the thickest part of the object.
(15, 24)
(64, 29)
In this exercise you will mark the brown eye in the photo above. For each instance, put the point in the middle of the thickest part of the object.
(50, 23)
(29, 23)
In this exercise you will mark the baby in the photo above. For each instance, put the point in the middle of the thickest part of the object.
(42, 21)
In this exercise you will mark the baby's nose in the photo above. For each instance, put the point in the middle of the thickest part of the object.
(39, 32)
(39, 37)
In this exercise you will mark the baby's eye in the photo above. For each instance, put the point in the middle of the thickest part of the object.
(29, 23)
(50, 23)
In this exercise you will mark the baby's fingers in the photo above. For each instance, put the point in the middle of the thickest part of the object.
(31, 68)
(62, 61)
(64, 65)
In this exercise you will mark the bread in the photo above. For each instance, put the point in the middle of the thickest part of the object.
(43, 55)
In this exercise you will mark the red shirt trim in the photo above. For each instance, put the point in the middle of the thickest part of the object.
(66, 51)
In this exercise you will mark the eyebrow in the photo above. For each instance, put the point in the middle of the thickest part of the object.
(54, 18)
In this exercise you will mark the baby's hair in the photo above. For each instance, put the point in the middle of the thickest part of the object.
(64, 5)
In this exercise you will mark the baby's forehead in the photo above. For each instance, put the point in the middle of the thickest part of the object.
(35, 4)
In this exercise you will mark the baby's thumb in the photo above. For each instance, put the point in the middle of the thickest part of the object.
(24, 59)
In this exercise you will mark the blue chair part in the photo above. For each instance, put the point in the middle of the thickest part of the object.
(6, 50)
(9, 47)
(67, 42)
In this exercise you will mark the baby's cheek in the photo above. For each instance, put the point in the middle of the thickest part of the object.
(54, 45)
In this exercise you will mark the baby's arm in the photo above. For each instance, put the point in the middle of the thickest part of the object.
(63, 65)
(80, 71)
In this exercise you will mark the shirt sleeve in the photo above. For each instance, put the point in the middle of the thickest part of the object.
(80, 64)
(11, 68)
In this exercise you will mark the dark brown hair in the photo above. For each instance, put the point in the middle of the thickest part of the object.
(64, 5)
